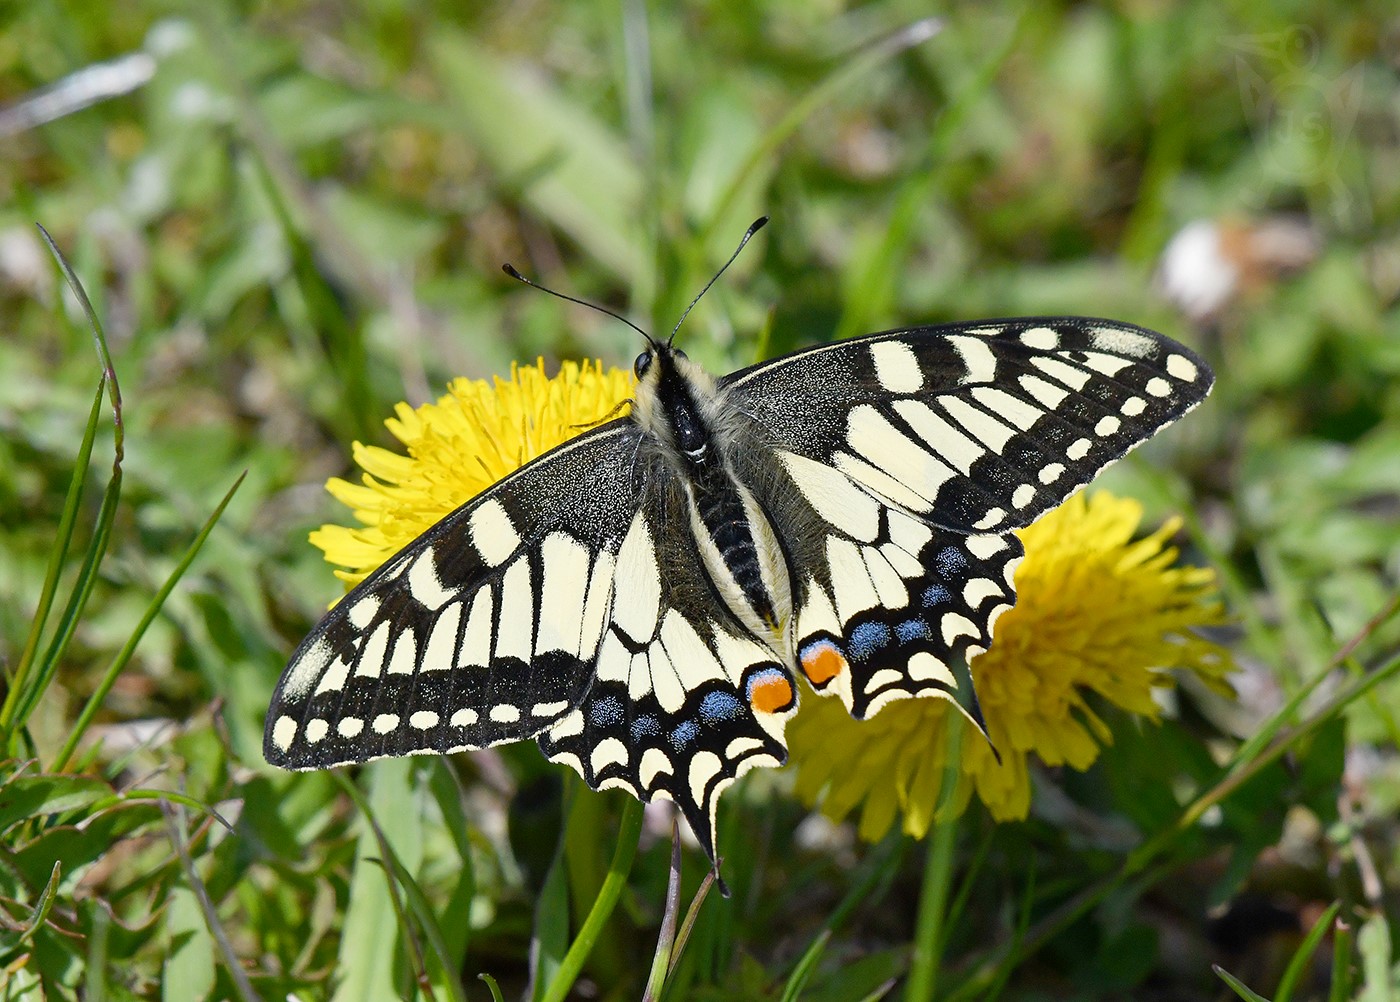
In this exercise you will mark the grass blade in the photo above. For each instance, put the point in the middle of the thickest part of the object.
(109, 678)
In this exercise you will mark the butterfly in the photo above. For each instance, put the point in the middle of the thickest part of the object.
(649, 600)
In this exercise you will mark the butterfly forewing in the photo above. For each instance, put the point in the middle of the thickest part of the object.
(974, 427)
(485, 629)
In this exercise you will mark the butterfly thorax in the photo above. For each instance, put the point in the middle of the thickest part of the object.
(679, 407)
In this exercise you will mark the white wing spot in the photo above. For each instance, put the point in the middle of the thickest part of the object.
(562, 594)
(991, 520)
(637, 605)
(956, 625)
(1040, 338)
(1133, 406)
(1079, 449)
(987, 429)
(654, 763)
(371, 661)
(442, 643)
(385, 722)
(515, 630)
(549, 709)
(350, 727)
(896, 366)
(978, 590)
(316, 729)
(464, 718)
(306, 670)
(1004, 405)
(1181, 367)
(1109, 365)
(1071, 376)
(1049, 395)
(504, 713)
(361, 614)
(1051, 473)
(924, 667)
(493, 533)
(424, 584)
(423, 719)
(703, 768)
(403, 660)
(1122, 342)
(983, 547)
(334, 678)
(872, 435)
(741, 746)
(1107, 425)
(610, 751)
(977, 356)
(1159, 387)
(283, 732)
(1023, 496)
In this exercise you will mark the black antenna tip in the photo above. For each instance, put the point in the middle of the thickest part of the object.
(757, 225)
(509, 269)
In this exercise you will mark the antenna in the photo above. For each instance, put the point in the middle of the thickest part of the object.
(757, 225)
(509, 269)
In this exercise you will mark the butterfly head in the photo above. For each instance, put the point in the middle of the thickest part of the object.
(674, 398)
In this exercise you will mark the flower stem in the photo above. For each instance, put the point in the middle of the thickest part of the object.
(629, 828)
(933, 905)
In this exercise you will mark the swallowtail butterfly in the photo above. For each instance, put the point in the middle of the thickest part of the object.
(647, 600)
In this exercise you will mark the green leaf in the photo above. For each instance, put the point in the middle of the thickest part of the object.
(567, 165)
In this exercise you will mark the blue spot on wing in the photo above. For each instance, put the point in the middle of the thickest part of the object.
(866, 639)
(911, 630)
(684, 733)
(645, 727)
(605, 712)
(936, 594)
(720, 706)
(950, 560)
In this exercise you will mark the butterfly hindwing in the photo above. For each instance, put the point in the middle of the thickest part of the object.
(483, 630)
(684, 702)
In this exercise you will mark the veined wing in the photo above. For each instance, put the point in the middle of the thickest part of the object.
(483, 630)
(894, 467)
(685, 699)
(976, 427)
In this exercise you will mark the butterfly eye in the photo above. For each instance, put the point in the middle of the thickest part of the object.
(642, 364)
(679, 354)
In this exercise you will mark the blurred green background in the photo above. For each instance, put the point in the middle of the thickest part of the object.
(291, 216)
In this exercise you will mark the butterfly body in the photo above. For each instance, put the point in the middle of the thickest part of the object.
(649, 599)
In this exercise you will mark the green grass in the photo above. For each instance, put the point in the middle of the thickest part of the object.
(299, 220)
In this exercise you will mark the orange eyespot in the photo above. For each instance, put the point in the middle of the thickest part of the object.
(770, 692)
(822, 662)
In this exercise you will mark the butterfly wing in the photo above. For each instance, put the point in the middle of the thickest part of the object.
(483, 630)
(685, 700)
(896, 495)
(566, 602)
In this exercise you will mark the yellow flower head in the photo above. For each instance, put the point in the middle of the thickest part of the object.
(472, 437)
(1097, 612)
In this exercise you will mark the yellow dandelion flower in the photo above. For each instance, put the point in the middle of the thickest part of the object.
(1098, 612)
(457, 447)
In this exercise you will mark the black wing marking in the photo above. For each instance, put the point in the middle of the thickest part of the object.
(685, 702)
(481, 631)
(980, 427)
